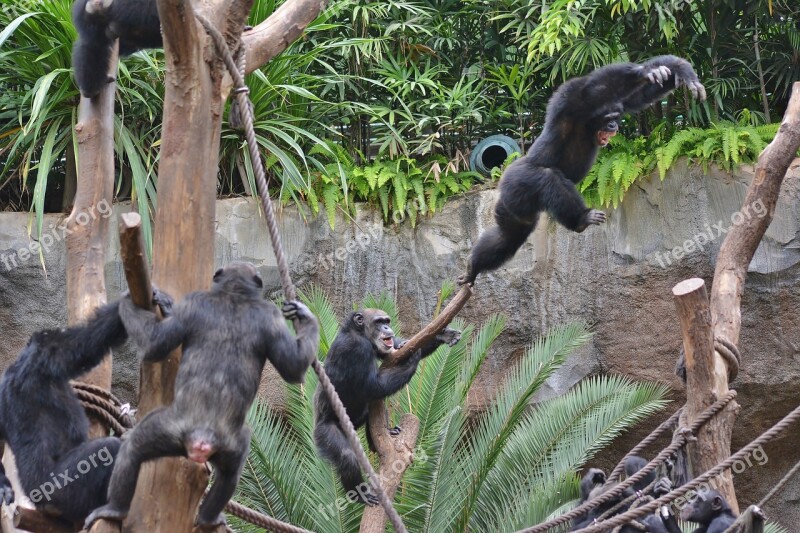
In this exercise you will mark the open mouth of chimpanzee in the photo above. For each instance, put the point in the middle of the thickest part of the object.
(604, 137)
(388, 341)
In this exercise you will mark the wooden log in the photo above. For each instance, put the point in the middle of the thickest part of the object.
(134, 260)
(706, 382)
(396, 455)
(38, 522)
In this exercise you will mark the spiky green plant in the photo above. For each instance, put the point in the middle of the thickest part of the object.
(511, 465)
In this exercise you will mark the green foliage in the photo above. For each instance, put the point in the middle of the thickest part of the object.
(725, 144)
(510, 466)
(399, 186)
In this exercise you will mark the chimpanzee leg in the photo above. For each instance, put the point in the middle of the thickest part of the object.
(155, 436)
(228, 465)
(563, 201)
(80, 479)
(334, 447)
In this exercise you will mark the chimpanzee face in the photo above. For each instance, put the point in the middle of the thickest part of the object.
(606, 127)
(375, 325)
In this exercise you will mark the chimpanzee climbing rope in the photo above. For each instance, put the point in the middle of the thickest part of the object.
(679, 439)
(241, 91)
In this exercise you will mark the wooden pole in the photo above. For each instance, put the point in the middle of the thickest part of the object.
(134, 260)
(706, 382)
(396, 455)
(88, 223)
(706, 370)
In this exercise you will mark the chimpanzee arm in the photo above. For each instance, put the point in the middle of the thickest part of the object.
(81, 348)
(661, 76)
(289, 355)
(390, 380)
(157, 338)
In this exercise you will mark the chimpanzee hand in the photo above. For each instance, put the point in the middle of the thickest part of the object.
(163, 301)
(296, 310)
(449, 336)
(395, 431)
(592, 217)
(6, 492)
(662, 486)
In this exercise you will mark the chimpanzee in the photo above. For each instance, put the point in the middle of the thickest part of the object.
(581, 117)
(227, 334)
(365, 337)
(99, 22)
(593, 485)
(44, 424)
(709, 510)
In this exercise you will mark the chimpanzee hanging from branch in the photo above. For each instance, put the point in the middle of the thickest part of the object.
(582, 116)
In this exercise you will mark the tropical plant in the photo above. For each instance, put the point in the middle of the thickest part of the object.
(509, 466)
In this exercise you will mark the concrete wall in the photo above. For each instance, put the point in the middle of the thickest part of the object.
(617, 277)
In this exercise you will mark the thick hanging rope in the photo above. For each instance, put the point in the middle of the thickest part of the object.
(241, 91)
(262, 520)
(680, 438)
(742, 454)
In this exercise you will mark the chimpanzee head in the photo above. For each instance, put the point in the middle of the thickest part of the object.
(704, 507)
(374, 325)
(238, 277)
(605, 124)
(593, 479)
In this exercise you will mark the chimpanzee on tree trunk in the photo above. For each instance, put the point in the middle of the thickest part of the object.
(581, 117)
(227, 334)
(351, 365)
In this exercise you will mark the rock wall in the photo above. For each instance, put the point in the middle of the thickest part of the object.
(617, 277)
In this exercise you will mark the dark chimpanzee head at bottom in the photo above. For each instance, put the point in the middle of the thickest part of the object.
(238, 277)
(374, 324)
(705, 506)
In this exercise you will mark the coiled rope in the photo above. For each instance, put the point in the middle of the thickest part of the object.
(241, 91)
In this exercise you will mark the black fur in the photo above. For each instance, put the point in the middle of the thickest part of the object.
(351, 364)
(581, 116)
(45, 425)
(227, 334)
(593, 485)
(710, 511)
(99, 22)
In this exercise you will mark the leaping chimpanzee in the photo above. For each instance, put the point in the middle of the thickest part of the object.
(44, 424)
(227, 334)
(582, 116)
(99, 22)
(365, 338)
